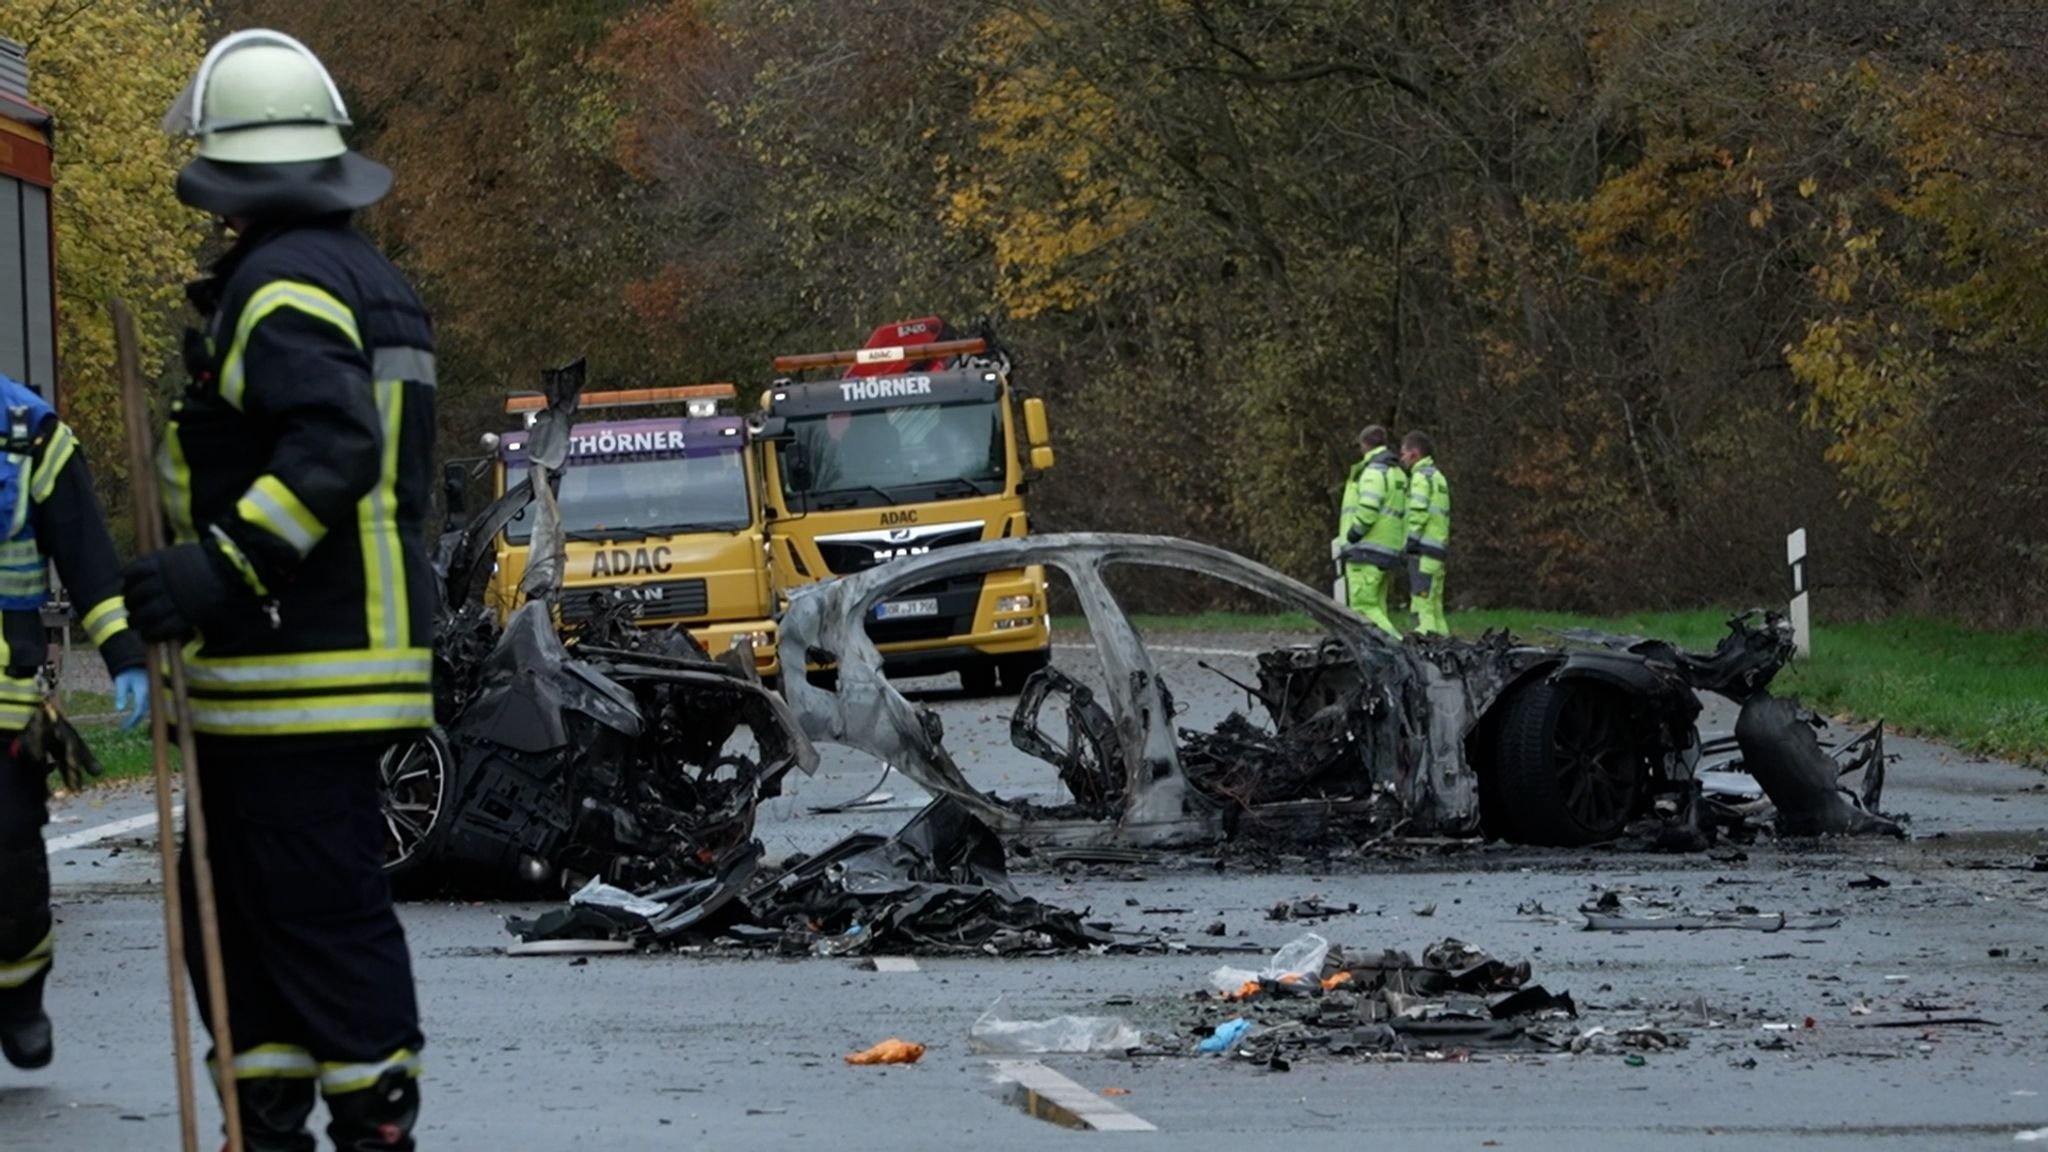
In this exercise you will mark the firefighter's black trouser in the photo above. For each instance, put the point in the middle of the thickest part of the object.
(26, 939)
(319, 979)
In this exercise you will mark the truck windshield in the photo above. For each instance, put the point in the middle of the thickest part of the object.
(892, 455)
(659, 496)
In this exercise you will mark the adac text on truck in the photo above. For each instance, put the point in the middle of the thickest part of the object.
(914, 441)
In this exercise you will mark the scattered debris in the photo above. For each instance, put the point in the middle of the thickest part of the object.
(991, 1034)
(888, 1052)
(1930, 1021)
(1389, 1005)
(1226, 1036)
(940, 884)
(1298, 963)
(1312, 908)
(1870, 880)
(1619, 911)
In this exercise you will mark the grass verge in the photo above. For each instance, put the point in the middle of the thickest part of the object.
(1984, 692)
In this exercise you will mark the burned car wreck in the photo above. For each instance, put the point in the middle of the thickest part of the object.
(625, 754)
(1362, 737)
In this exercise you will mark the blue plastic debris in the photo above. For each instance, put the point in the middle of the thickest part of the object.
(1227, 1035)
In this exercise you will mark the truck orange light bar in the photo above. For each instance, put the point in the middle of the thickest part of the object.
(933, 351)
(629, 398)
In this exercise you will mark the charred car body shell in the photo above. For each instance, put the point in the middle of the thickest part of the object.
(1379, 734)
(612, 756)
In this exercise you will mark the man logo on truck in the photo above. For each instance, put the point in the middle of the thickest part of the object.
(630, 561)
(884, 555)
(885, 387)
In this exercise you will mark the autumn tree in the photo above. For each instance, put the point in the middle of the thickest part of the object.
(108, 71)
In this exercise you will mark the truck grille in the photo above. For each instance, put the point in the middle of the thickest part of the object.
(659, 599)
(844, 557)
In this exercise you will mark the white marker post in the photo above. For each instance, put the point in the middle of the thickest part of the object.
(1802, 620)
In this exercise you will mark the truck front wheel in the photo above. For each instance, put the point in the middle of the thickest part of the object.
(1015, 670)
(978, 678)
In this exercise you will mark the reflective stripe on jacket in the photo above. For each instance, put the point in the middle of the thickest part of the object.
(301, 456)
(51, 514)
(1375, 531)
(1429, 510)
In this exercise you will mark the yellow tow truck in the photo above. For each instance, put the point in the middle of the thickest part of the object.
(662, 510)
(916, 446)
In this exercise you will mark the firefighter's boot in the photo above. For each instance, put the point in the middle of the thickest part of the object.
(274, 1113)
(25, 1035)
(379, 1118)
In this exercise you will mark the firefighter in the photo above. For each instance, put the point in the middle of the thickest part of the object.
(46, 495)
(297, 470)
(1371, 535)
(1429, 532)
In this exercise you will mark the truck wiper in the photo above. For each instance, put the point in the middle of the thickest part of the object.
(883, 493)
(606, 535)
(958, 482)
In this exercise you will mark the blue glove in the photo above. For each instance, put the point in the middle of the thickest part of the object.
(131, 696)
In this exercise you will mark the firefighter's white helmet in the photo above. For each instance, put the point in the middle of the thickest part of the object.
(268, 118)
(261, 97)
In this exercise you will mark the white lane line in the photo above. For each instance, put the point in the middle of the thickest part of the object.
(1051, 1096)
(1177, 650)
(107, 831)
(893, 964)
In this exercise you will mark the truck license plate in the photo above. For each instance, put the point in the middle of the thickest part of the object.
(902, 609)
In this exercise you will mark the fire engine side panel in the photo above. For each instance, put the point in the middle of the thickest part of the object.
(28, 320)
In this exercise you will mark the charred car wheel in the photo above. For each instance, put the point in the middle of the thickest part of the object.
(1567, 766)
(417, 779)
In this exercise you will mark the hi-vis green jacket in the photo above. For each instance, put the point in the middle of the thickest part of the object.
(1429, 511)
(1375, 530)
(301, 455)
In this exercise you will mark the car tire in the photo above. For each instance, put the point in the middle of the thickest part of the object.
(417, 785)
(1567, 768)
(1015, 670)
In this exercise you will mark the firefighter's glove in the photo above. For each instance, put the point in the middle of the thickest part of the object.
(131, 696)
(173, 594)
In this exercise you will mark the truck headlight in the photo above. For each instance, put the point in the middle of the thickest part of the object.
(1016, 603)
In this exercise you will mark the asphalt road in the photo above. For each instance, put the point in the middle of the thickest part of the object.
(674, 1051)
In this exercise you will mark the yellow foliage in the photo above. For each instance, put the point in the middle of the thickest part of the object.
(107, 71)
(1639, 227)
(1055, 240)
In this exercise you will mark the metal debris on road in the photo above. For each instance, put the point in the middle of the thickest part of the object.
(938, 885)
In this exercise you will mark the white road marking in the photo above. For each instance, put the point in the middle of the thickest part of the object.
(1175, 649)
(893, 964)
(107, 831)
(1051, 1096)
